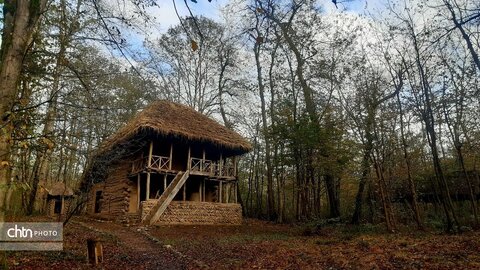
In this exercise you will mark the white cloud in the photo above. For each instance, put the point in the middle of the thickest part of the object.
(165, 16)
(353, 6)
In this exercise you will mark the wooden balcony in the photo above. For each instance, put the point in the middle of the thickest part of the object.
(211, 168)
(157, 163)
(197, 166)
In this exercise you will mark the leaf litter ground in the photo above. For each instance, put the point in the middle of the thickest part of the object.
(254, 245)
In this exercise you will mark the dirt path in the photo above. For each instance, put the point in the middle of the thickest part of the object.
(141, 250)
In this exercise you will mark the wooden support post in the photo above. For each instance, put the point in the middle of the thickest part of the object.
(188, 159)
(147, 193)
(227, 195)
(171, 153)
(150, 153)
(203, 159)
(235, 190)
(220, 191)
(149, 162)
(235, 166)
(200, 190)
(164, 182)
(94, 251)
(203, 187)
(138, 191)
(184, 190)
(220, 164)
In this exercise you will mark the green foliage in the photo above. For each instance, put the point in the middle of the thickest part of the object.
(35, 6)
(8, 7)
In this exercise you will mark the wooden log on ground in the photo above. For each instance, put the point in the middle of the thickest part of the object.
(94, 251)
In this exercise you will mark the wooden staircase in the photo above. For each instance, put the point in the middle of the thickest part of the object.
(166, 198)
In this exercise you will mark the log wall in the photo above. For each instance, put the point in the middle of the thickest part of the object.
(116, 192)
(51, 206)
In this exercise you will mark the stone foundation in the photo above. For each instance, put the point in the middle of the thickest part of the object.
(145, 207)
(201, 213)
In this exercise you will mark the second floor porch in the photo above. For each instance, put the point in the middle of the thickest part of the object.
(216, 167)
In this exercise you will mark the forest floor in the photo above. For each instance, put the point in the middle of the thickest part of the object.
(254, 245)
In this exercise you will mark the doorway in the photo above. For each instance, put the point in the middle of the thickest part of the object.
(57, 207)
(98, 198)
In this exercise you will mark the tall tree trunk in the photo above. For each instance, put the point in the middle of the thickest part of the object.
(406, 157)
(384, 194)
(333, 201)
(454, 130)
(224, 62)
(429, 121)
(271, 213)
(366, 162)
(42, 162)
(20, 19)
(308, 94)
(469, 184)
(465, 36)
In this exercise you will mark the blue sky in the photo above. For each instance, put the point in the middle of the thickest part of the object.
(165, 12)
(166, 16)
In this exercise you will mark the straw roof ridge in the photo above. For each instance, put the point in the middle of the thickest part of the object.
(172, 119)
(59, 189)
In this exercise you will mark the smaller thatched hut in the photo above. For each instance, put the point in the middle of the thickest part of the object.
(169, 164)
(59, 198)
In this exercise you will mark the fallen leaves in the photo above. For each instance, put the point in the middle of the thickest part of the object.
(257, 245)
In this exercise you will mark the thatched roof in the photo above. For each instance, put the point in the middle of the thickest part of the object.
(166, 119)
(59, 189)
(171, 119)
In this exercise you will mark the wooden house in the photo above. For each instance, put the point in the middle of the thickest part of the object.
(59, 198)
(169, 164)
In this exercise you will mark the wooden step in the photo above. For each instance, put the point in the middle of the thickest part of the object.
(166, 198)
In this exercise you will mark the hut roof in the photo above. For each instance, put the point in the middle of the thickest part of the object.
(167, 119)
(172, 119)
(59, 189)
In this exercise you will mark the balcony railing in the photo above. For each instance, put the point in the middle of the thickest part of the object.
(197, 165)
(159, 163)
(211, 168)
(227, 170)
(138, 165)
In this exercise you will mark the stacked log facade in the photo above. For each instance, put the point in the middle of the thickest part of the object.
(51, 206)
(116, 191)
(198, 213)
